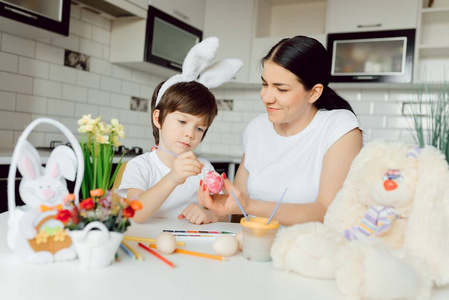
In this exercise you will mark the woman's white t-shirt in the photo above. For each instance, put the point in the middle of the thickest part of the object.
(275, 162)
(144, 171)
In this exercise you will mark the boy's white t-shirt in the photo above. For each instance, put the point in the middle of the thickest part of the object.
(275, 162)
(144, 171)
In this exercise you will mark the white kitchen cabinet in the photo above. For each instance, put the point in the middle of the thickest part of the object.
(432, 54)
(189, 11)
(113, 9)
(369, 15)
(232, 22)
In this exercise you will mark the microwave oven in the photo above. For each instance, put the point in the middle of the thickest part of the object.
(377, 56)
(168, 40)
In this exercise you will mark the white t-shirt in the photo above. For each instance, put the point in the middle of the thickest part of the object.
(144, 171)
(276, 162)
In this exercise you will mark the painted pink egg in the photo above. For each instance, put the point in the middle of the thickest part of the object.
(214, 182)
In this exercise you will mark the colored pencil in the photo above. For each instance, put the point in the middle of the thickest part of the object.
(148, 240)
(127, 251)
(157, 255)
(138, 256)
(193, 253)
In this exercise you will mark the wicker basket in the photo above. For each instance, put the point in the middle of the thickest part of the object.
(50, 244)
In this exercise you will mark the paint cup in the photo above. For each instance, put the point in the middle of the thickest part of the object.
(258, 237)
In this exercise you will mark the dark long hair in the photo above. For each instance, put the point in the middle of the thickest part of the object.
(309, 61)
(187, 97)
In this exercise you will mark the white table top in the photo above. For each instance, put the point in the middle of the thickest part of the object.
(193, 278)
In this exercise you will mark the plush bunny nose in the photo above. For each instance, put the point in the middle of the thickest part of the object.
(48, 194)
(390, 185)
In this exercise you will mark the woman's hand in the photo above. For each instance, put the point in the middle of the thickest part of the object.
(198, 215)
(185, 165)
(222, 204)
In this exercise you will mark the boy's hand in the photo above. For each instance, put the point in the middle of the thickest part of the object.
(185, 165)
(197, 215)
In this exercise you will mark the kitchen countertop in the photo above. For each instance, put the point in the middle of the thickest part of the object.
(6, 155)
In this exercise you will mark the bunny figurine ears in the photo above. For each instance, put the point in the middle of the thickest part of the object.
(197, 67)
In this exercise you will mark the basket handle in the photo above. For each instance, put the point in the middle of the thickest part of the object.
(93, 225)
(15, 157)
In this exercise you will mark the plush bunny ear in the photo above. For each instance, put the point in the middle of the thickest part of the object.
(200, 57)
(29, 161)
(62, 162)
(220, 72)
(427, 231)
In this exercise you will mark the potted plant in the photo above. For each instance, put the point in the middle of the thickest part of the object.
(430, 112)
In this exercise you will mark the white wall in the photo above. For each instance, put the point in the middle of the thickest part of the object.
(34, 82)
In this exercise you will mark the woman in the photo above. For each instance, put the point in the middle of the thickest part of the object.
(305, 142)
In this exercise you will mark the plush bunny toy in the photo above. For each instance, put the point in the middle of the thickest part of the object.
(386, 234)
(34, 234)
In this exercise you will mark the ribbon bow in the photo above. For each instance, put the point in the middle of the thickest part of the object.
(47, 208)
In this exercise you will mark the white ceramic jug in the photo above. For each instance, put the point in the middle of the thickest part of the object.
(96, 248)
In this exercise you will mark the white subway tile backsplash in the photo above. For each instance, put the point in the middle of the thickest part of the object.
(220, 126)
(6, 138)
(70, 42)
(75, 11)
(350, 95)
(111, 84)
(63, 74)
(130, 88)
(372, 121)
(47, 88)
(85, 109)
(145, 119)
(140, 77)
(136, 131)
(129, 117)
(108, 113)
(238, 127)
(71, 123)
(100, 66)
(49, 53)
(236, 150)
(121, 72)
(31, 104)
(7, 101)
(92, 18)
(399, 122)
(120, 101)
(34, 68)
(243, 105)
(382, 108)
(9, 62)
(101, 35)
(389, 135)
(98, 97)
(15, 83)
(17, 45)
(147, 93)
(231, 116)
(60, 108)
(80, 28)
(106, 52)
(362, 108)
(374, 95)
(91, 48)
(408, 137)
(14, 120)
(231, 138)
(88, 79)
(74, 93)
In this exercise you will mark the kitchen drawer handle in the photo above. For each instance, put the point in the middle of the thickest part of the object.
(180, 14)
(369, 25)
(20, 12)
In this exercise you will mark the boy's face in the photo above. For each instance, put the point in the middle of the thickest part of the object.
(180, 132)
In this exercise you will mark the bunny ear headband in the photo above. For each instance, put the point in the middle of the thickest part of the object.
(197, 67)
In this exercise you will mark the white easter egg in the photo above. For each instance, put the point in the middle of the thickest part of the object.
(239, 237)
(166, 243)
(225, 245)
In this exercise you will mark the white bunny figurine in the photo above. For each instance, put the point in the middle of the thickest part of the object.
(34, 232)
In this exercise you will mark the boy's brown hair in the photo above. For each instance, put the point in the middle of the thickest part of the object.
(187, 97)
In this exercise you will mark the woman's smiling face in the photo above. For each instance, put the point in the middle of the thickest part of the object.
(285, 98)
